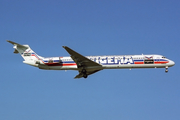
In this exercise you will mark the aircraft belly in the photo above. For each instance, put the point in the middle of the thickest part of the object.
(134, 66)
(57, 67)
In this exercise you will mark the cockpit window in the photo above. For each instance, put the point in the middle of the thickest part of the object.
(163, 57)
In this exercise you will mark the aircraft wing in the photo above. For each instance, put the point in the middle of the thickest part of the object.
(79, 59)
(83, 62)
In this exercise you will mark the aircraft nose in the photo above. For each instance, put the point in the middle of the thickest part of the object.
(172, 63)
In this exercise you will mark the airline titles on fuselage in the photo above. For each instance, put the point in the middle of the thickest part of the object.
(114, 59)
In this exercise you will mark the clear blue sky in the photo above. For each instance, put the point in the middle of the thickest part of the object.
(91, 27)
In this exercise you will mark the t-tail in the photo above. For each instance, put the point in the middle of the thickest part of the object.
(29, 56)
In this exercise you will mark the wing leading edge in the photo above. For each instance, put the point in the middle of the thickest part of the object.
(85, 66)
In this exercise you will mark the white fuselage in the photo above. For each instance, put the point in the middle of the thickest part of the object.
(107, 62)
(87, 65)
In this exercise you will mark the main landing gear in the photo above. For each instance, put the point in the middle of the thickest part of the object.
(84, 73)
(166, 69)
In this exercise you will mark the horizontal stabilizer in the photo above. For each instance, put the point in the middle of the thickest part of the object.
(16, 44)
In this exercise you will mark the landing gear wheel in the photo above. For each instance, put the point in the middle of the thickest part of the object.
(166, 69)
(84, 72)
(85, 75)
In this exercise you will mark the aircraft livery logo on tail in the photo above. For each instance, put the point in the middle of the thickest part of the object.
(27, 53)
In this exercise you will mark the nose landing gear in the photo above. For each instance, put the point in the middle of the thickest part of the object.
(166, 69)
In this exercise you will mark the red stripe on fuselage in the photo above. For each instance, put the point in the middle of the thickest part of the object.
(161, 62)
(58, 64)
(138, 62)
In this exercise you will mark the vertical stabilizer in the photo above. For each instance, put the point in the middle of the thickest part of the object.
(27, 53)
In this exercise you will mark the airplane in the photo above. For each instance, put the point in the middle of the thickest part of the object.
(87, 65)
